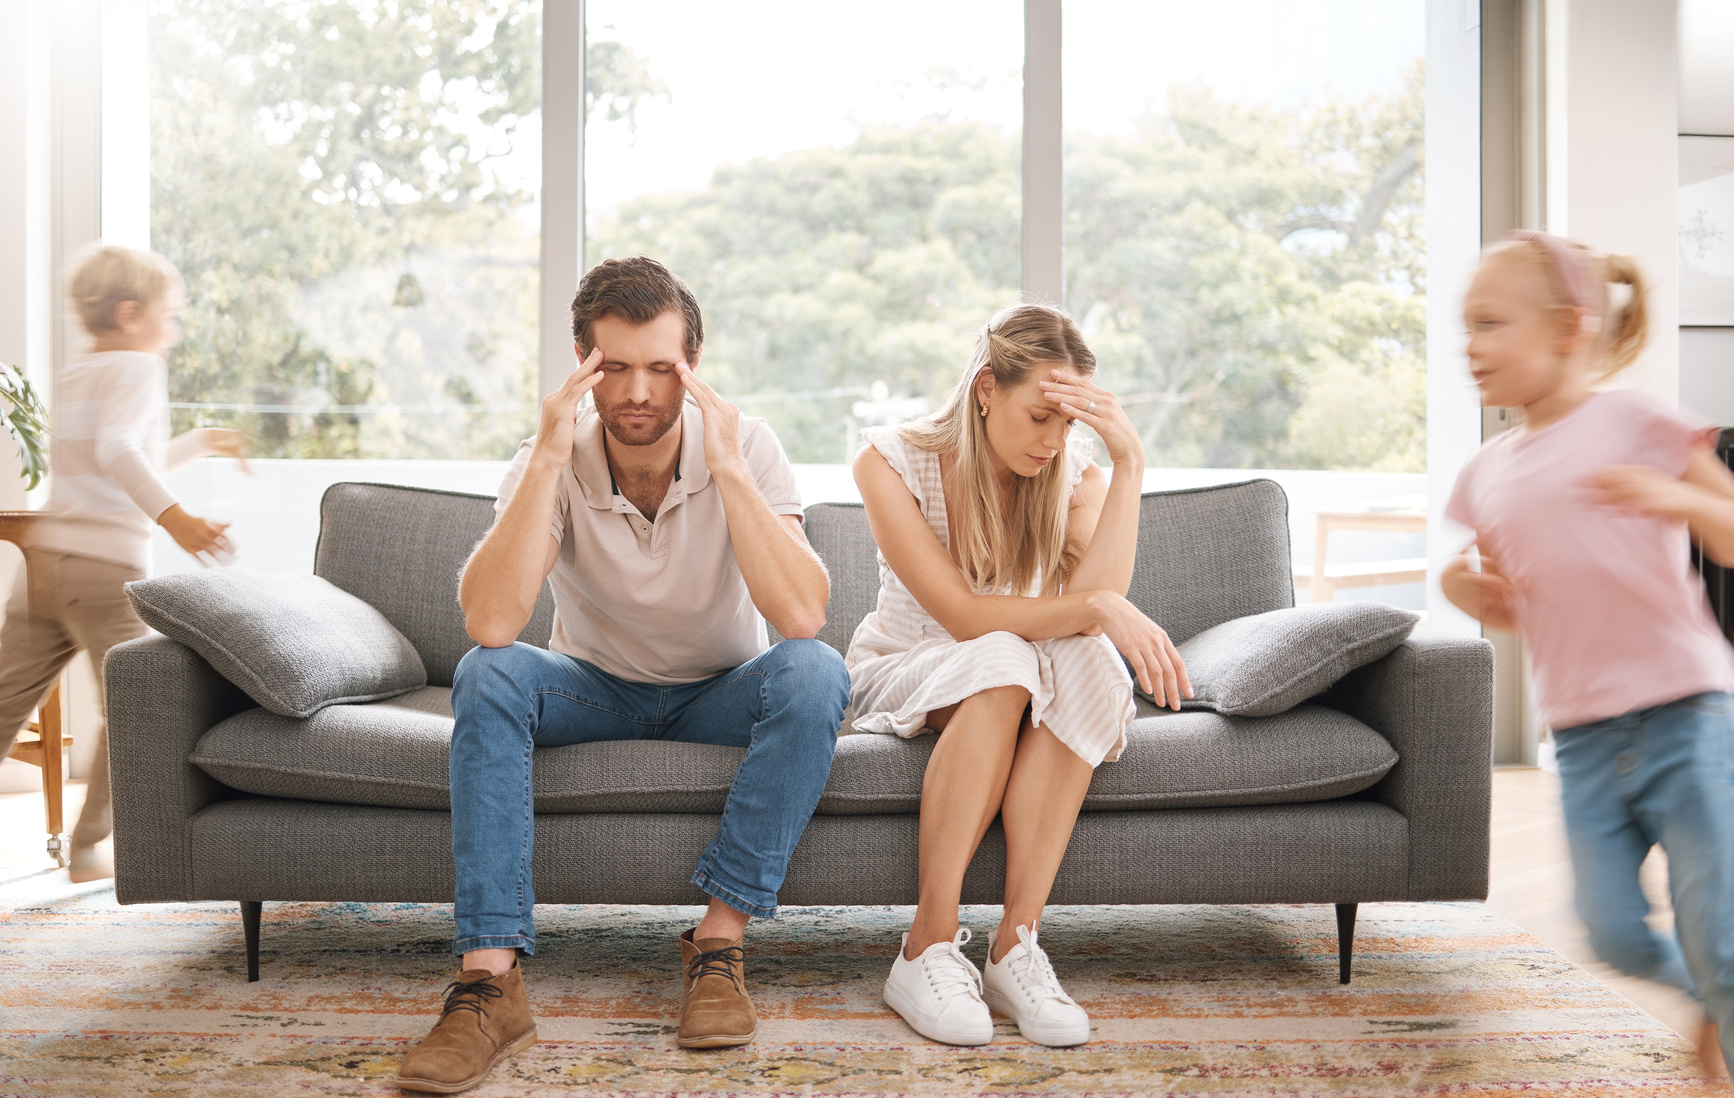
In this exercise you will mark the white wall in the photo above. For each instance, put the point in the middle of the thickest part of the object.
(1620, 157)
(26, 208)
(1707, 67)
(1706, 107)
(52, 205)
(26, 294)
(1707, 373)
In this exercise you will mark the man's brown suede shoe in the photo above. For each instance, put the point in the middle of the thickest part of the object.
(486, 1019)
(715, 1010)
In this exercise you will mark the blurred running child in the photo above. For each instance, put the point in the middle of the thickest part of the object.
(111, 448)
(1582, 517)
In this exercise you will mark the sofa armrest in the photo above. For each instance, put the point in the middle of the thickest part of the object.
(162, 696)
(1432, 698)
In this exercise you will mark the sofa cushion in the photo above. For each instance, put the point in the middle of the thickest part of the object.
(294, 643)
(1210, 555)
(1261, 665)
(401, 550)
(393, 753)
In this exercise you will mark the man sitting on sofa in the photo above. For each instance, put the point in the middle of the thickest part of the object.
(668, 523)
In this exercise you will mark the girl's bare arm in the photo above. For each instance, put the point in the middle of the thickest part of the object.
(1702, 497)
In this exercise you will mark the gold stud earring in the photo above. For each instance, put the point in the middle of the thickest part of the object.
(984, 411)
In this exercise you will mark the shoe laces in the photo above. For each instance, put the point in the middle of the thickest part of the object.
(1034, 974)
(717, 962)
(949, 972)
(470, 995)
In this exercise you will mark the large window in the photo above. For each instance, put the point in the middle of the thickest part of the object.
(838, 183)
(1245, 251)
(351, 191)
(1243, 226)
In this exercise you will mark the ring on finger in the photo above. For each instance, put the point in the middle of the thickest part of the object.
(1092, 407)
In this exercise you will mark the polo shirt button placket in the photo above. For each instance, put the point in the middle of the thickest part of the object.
(659, 536)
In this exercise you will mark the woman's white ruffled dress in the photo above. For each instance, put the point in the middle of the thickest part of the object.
(903, 665)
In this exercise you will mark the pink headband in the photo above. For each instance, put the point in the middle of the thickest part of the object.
(1573, 275)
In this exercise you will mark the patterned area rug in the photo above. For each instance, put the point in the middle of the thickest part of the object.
(101, 1000)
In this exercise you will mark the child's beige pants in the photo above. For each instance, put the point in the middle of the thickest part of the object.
(60, 604)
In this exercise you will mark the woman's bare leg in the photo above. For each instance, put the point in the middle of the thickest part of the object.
(1042, 797)
(960, 795)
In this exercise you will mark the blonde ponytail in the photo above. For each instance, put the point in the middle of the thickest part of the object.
(1626, 327)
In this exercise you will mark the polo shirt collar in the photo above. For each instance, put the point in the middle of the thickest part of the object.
(590, 460)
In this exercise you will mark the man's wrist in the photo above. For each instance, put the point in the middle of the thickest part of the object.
(734, 474)
(546, 457)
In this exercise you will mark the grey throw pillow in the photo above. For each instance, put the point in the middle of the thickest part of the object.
(1268, 663)
(294, 643)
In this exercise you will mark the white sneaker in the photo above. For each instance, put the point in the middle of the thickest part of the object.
(939, 993)
(1023, 987)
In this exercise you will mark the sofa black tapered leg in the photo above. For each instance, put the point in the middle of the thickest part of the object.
(1345, 940)
(250, 910)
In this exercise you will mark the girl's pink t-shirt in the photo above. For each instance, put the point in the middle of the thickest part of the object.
(1615, 616)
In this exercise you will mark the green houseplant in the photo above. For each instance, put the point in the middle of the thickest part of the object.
(27, 421)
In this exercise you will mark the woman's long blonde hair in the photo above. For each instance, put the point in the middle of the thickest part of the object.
(1624, 326)
(997, 555)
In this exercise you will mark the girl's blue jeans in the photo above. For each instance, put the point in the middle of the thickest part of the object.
(784, 706)
(1659, 775)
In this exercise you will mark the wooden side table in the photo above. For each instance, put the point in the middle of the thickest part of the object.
(44, 741)
(1324, 578)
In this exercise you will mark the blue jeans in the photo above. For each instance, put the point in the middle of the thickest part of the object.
(784, 706)
(1658, 775)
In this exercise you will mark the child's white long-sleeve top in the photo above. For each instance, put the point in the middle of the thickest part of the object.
(110, 451)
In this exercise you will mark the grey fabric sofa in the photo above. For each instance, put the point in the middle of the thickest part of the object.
(1376, 790)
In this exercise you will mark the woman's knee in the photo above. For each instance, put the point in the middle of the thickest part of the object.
(1004, 650)
(1011, 699)
(998, 708)
(1088, 660)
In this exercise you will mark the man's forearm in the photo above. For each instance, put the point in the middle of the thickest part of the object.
(504, 575)
(784, 576)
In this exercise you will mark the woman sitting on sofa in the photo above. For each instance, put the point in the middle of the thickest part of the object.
(1005, 554)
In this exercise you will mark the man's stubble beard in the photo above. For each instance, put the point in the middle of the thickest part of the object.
(666, 418)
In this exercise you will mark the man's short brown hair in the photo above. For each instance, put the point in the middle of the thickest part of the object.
(637, 290)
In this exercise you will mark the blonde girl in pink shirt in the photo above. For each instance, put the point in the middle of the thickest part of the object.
(1583, 518)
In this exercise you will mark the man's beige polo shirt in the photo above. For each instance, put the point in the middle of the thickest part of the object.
(659, 602)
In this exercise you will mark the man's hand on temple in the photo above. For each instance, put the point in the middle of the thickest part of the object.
(722, 424)
(560, 409)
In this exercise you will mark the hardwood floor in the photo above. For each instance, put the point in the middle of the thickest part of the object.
(1531, 884)
(1531, 876)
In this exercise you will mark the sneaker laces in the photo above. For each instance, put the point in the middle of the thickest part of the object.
(470, 995)
(949, 972)
(717, 962)
(1034, 974)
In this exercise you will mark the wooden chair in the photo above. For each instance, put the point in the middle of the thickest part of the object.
(44, 741)
(1324, 579)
